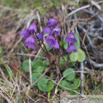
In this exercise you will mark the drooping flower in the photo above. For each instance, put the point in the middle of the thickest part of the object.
(54, 45)
(25, 33)
(70, 38)
(40, 36)
(47, 30)
(50, 39)
(57, 30)
(71, 48)
(33, 28)
(52, 22)
(52, 42)
(30, 42)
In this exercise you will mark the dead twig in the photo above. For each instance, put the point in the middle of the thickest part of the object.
(81, 8)
(96, 65)
(82, 78)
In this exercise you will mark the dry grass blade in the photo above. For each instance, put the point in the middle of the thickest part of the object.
(73, 26)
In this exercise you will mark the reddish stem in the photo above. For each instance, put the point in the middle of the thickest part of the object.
(17, 70)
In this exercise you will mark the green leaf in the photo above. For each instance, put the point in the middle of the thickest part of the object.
(0, 50)
(64, 83)
(47, 47)
(65, 46)
(37, 4)
(74, 56)
(25, 65)
(35, 76)
(9, 72)
(62, 63)
(77, 44)
(49, 92)
(19, 100)
(39, 69)
(38, 66)
(71, 74)
(81, 55)
(46, 63)
(61, 43)
(75, 85)
(43, 84)
(71, 64)
(6, 84)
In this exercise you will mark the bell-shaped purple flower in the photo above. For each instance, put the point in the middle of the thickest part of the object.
(47, 30)
(30, 42)
(30, 45)
(33, 28)
(52, 42)
(25, 33)
(57, 30)
(71, 48)
(40, 36)
(52, 22)
(70, 38)
(50, 39)
(54, 45)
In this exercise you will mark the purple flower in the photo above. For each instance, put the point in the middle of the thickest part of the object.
(70, 38)
(40, 36)
(52, 22)
(71, 48)
(54, 45)
(25, 33)
(30, 45)
(50, 39)
(52, 42)
(57, 30)
(33, 28)
(47, 30)
(30, 41)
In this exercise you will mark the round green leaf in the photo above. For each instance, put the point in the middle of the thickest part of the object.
(25, 65)
(71, 74)
(74, 56)
(64, 83)
(35, 76)
(43, 84)
(77, 44)
(81, 55)
(37, 64)
(39, 69)
(75, 85)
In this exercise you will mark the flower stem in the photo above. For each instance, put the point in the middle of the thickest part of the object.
(63, 59)
(57, 60)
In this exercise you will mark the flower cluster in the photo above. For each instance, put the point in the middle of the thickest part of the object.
(51, 29)
(71, 40)
(28, 36)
